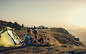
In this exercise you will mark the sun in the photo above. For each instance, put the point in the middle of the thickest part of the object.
(78, 17)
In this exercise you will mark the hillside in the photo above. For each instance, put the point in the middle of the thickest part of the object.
(56, 35)
(62, 42)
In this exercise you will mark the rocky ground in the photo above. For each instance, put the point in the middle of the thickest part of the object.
(60, 40)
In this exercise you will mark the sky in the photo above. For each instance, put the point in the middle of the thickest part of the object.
(52, 13)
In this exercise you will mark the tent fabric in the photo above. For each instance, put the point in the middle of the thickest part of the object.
(5, 29)
(12, 36)
(6, 40)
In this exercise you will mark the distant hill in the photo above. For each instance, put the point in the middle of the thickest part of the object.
(14, 25)
(41, 27)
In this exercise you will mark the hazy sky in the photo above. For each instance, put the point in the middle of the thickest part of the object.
(55, 13)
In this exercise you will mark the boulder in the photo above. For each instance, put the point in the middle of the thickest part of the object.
(77, 39)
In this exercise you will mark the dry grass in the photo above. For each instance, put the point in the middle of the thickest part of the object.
(54, 37)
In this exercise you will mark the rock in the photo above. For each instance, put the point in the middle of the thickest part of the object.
(77, 39)
(73, 36)
(65, 31)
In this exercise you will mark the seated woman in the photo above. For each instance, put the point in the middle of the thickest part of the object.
(35, 36)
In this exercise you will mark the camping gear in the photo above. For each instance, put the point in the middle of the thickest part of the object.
(12, 36)
(9, 38)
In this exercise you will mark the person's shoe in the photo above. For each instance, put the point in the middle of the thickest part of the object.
(38, 45)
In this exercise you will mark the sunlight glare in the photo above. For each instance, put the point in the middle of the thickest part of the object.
(79, 17)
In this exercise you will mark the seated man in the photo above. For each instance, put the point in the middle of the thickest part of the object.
(28, 38)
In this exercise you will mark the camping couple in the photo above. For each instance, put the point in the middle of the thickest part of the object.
(34, 39)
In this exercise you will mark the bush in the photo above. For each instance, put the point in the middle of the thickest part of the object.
(22, 25)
